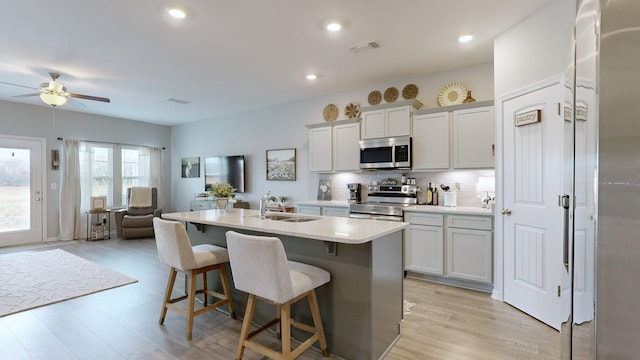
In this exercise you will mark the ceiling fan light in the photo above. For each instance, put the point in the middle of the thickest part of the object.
(53, 99)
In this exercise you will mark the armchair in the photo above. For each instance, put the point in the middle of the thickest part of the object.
(136, 222)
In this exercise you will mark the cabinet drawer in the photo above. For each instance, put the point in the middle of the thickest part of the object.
(423, 218)
(310, 210)
(339, 212)
(470, 222)
(200, 205)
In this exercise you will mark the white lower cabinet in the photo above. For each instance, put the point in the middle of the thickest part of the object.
(469, 254)
(424, 244)
(309, 210)
(335, 211)
(458, 247)
(323, 210)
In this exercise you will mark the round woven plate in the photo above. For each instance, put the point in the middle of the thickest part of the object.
(330, 112)
(352, 110)
(410, 91)
(391, 94)
(375, 97)
(452, 94)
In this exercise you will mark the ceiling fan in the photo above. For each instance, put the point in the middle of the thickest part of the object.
(54, 93)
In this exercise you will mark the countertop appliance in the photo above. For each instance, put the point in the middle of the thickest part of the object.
(386, 153)
(355, 193)
(385, 202)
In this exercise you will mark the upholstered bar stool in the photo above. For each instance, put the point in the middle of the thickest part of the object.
(260, 268)
(175, 250)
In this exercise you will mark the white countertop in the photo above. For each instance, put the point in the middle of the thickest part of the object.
(327, 228)
(325, 203)
(453, 210)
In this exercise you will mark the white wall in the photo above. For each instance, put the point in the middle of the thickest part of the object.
(252, 133)
(537, 48)
(37, 121)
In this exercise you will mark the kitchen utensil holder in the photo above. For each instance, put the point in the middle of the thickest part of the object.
(450, 198)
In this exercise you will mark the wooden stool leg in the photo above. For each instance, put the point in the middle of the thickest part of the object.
(204, 289)
(285, 320)
(246, 324)
(227, 291)
(167, 294)
(317, 321)
(191, 297)
(278, 324)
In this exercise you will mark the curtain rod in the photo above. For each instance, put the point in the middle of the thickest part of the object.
(106, 142)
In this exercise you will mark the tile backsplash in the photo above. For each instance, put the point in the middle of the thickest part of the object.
(464, 180)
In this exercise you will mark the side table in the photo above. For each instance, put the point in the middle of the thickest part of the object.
(101, 229)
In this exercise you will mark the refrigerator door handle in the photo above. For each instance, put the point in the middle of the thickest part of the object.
(563, 201)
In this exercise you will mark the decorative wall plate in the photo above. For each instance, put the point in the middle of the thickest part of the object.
(410, 91)
(330, 112)
(352, 110)
(375, 97)
(452, 94)
(391, 94)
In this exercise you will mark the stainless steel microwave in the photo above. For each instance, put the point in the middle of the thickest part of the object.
(386, 153)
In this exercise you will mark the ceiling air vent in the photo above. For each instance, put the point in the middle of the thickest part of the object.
(178, 101)
(371, 45)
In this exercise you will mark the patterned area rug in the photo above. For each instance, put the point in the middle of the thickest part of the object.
(32, 279)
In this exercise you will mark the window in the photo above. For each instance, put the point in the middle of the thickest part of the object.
(135, 165)
(110, 169)
(96, 171)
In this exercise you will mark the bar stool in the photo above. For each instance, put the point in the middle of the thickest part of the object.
(260, 268)
(175, 250)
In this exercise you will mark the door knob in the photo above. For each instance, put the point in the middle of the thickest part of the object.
(506, 212)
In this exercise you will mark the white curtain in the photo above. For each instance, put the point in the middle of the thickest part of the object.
(70, 218)
(155, 172)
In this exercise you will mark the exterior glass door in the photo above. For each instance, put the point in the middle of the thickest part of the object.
(21, 196)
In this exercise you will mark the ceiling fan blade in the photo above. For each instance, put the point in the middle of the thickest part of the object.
(89, 97)
(28, 87)
(76, 103)
(26, 95)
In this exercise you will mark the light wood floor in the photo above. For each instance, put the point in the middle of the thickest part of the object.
(122, 323)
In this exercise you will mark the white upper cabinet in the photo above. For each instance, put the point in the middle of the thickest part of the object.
(459, 137)
(320, 149)
(430, 144)
(474, 138)
(334, 146)
(387, 120)
(346, 149)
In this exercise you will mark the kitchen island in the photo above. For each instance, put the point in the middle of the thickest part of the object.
(361, 307)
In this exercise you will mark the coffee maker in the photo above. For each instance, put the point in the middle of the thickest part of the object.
(354, 193)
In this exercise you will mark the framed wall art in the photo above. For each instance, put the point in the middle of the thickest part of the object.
(281, 164)
(98, 202)
(190, 167)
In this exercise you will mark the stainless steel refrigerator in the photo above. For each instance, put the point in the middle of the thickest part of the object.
(604, 317)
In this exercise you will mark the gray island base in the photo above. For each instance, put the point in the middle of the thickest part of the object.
(361, 307)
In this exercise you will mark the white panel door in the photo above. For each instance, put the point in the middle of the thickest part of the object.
(533, 222)
(346, 148)
(21, 191)
(424, 249)
(398, 121)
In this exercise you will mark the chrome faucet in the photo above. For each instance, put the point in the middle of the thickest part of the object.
(263, 203)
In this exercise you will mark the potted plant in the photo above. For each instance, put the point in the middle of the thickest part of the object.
(283, 200)
(221, 192)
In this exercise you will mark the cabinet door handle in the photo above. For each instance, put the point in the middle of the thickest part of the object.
(506, 212)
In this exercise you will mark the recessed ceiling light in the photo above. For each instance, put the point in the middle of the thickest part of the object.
(176, 12)
(312, 77)
(334, 26)
(465, 38)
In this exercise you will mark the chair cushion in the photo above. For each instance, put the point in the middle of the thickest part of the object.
(306, 277)
(207, 255)
(137, 221)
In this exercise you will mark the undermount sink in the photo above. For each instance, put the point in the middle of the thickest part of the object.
(287, 218)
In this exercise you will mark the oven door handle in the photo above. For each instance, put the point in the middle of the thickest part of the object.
(375, 217)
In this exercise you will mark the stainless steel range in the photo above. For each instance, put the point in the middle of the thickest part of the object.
(385, 202)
